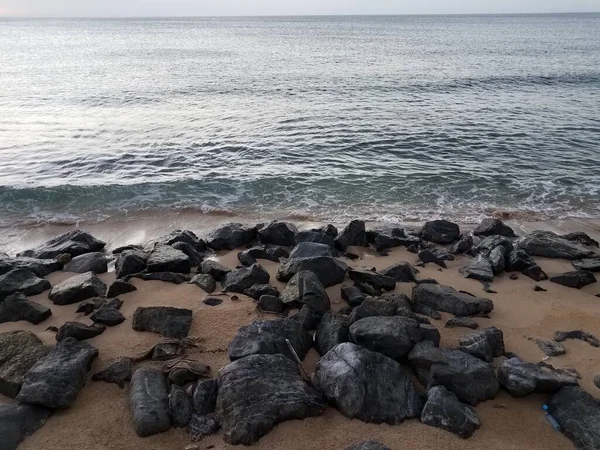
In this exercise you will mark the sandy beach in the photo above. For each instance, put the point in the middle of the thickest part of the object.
(100, 419)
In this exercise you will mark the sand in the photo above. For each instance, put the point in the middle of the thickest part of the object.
(99, 419)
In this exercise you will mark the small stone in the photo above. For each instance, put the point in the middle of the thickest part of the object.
(514, 276)
(465, 322)
(550, 348)
(212, 301)
(538, 288)
(535, 272)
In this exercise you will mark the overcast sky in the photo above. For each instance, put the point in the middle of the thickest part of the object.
(137, 8)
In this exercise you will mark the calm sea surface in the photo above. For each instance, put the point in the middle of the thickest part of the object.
(325, 118)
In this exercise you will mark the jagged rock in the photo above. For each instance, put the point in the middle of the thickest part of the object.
(231, 236)
(241, 279)
(258, 290)
(367, 289)
(401, 272)
(550, 245)
(269, 337)
(368, 386)
(180, 407)
(535, 272)
(17, 307)
(41, 267)
(215, 269)
(327, 229)
(430, 333)
(390, 237)
(353, 295)
(479, 269)
(440, 231)
(77, 288)
(589, 264)
(491, 227)
(55, 379)
(250, 256)
(107, 316)
(498, 259)
(333, 329)
(122, 248)
(485, 344)
(368, 445)
(378, 281)
(354, 234)
(578, 414)
(183, 236)
(447, 299)
(463, 246)
(205, 281)
(576, 279)
(278, 233)
(167, 277)
(426, 310)
(311, 250)
(119, 288)
(23, 281)
(464, 322)
(581, 238)
(550, 348)
(89, 306)
(427, 256)
(164, 320)
(74, 243)
(318, 237)
(269, 303)
(519, 260)
(308, 318)
(521, 379)
(118, 371)
(88, 262)
(444, 410)
(165, 258)
(561, 336)
(130, 262)
(305, 289)
(205, 397)
(470, 378)
(489, 243)
(78, 331)
(195, 256)
(18, 420)
(19, 351)
(391, 336)
(149, 402)
(330, 271)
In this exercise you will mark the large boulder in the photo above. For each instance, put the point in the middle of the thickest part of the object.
(485, 344)
(318, 237)
(390, 236)
(77, 288)
(130, 261)
(391, 336)
(19, 351)
(333, 329)
(440, 231)
(18, 420)
(88, 262)
(575, 279)
(195, 256)
(215, 269)
(581, 238)
(330, 271)
(165, 258)
(589, 264)
(447, 299)
(18, 307)
(367, 385)
(444, 410)
(41, 267)
(149, 402)
(79, 331)
(353, 235)
(231, 236)
(498, 259)
(278, 233)
(268, 337)
(260, 391)
(55, 380)
(305, 289)
(167, 321)
(401, 272)
(74, 243)
(489, 243)
(242, 279)
(479, 268)
(578, 414)
(550, 245)
(23, 281)
(520, 378)
(204, 400)
(491, 227)
(471, 379)
(378, 281)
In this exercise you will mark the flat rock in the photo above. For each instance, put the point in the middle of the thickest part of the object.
(561, 336)
(367, 385)
(368, 445)
(119, 287)
(149, 402)
(550, 245)
(55, 379)
(589, 264)
(23, 281)
(164, 320)
(180, 407)
(401, 272)
(108, 316)
(478, 269)
(231, 236)
(17, 307)
(167, 277)
(444, 410)
(550, 348)
(74, 243)
(242, 279)
(18, 420)
(521, 379)
(353, 295)
(491, 227)
(130, 262)
(278, 233)
(578, 414)
(354, 234)
(118, 372)
(88, 262)
(333, 329)
(440, 231)
(330, 271)
(212, 301)
(392, 336)
(378, 281)
(260, 391)
(447, 299)
(575, 279)
(165, 258)
(305, 288)
(461, 322)
(41, 267)
(485, 344)
(79, 331)
(77, 288)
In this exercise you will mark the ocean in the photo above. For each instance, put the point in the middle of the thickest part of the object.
(400, 118)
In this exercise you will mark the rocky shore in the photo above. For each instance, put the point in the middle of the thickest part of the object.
(277, 337)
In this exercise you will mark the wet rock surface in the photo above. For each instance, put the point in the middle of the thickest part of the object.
(589, 264)
(74, 243)
(231, 236)
(550, 245)
(165, 258)
(278, 233)
(479, 269)
(440, 231)
(89, 262)
(130, 262)
(40, 267)
(354, 234)
(575, 279)
(330, 271)
(491, 227)
(242, 279)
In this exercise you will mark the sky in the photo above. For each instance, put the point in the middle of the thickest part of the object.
(153, 8)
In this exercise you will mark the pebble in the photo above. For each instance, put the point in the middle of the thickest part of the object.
(537, 288)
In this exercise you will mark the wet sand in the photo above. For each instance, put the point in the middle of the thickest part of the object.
(99, 418)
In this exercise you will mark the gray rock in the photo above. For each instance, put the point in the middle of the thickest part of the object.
(317, 237)
(250, 256)
(550, 245)
(311, 250)
(589, 264)
(463, 246)
(401, 272)
(201, 426)
(428, 311)
(373, 307)
(308, 318)
(278, 233)
(107, 316)
(444, 410)
(55, 380)
(165, 258)
(597, 381)
(242, 279)
(440, 231)
(130, 262)
(353, 295)
(447, 299)
(260, 391)
(485, 344)
(521, 379)
(479, 269)
(535, 272)
(368, 445)
(578, 414)
(353, 235)
(378, 281)
(427, 256)
(17, 307)
(205, 397)
(215, 269)
(88, 262)
(305, 289)
(390, 236)
(180, 407)
(149, 402)
(119, 288)
(498, 259)
(78, 331)
(74, 243)
(167, 277)
(205, 282)
(550, 348)
(461, 322)
(430, 333)
(77, 288)
(19, 351)
(330, 271)
(491, 227)
(367, 385)
(195, 256)
(23, 281)
(519, 260)
(18, 420)
(118, 371)
(581, 238)
(89, 306)
(41, 267)
(576, 279)
(561, 336)
(333, 329)
(231, 236)
(392, 336)
(167, 321)
(184, 237)
(270, 303)
(258, 290)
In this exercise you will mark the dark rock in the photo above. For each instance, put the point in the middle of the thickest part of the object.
(269, 337)
(118, 371)
(440, 231)
(330, 271)
(270, 303)
(305, 289)
(74, 243)
(401, 272)
(537, 288)
(535, 272)
(205, 281)
(491, 227)
(345, 310)
(521, 379)
(597, 381)
(250, 256)
(77, 288)
(180, 407)
(79, 331)
(167, 277)
(333, 329)
(167, 321)
(390, 237)
(578, 414)
(581, 238)
(447, 299)
(478, 269)
(485, 344)
(427, 256)
(194, 255)
(352, 295)
(498, 259)
(149, 402)
(258, 290)
(183, 237)
(41, 267)
(489, 243)
(470, 378)
(205, 397)
(107, 316)
(519, 260)
(367, 289)
(353, 235)
(430, 333)
(487, 289)
(561, 336)
(278, 233)
(231, 236)
(308, 318)
(212, 301)
(19, 351)
(576, 279)
(165, 258)
(318, 237)
(88, 262)
(513, 276)
(187, 371)
(311, 250)
(368, 386)
(391, 336)
(368, 445)
(89, 306)
(589, 264)
(130, 262)
(215, 269)
(119, 288)
(122, 248)
(378, 281)
(550, 245)
(242, 279)
(420, 308)
(23, 281)
(444, 410)
(465, 322)
(55, 380)
(18, 420)
(373, 307)
(17, 307)
(464, 245)
(201, 426)
(550, 348)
